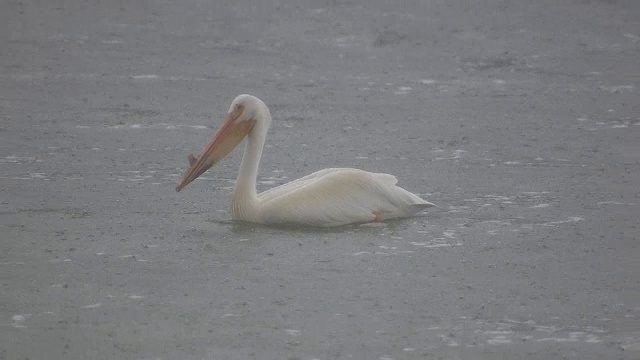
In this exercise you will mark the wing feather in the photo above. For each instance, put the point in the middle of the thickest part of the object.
(333, 197)
(295, 184)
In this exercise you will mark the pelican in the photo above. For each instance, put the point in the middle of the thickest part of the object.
(329, 197)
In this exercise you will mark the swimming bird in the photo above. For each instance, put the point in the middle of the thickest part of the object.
(329, 197)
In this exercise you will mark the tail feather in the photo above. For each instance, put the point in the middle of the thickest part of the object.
(414, 208)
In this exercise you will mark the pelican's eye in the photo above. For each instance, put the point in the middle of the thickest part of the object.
(237, 111)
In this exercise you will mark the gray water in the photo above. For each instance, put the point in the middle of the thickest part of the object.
(520, 120)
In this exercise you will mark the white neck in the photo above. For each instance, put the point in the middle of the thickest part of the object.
(245, 197)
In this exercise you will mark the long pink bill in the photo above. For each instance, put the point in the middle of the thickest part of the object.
(222, 142)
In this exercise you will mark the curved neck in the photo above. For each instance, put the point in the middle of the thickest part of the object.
(245, 196)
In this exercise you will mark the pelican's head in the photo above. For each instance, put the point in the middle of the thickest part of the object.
(246, 113)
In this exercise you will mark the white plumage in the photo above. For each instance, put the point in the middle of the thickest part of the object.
(329, 197)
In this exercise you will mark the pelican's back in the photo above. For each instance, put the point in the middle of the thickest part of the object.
(333, 197)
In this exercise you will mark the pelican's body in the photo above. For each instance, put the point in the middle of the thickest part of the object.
(328, 197)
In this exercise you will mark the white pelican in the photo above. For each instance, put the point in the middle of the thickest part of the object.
(329, 197)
